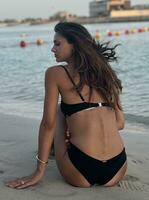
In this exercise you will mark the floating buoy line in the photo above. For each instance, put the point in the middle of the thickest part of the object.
(130, 31)
(97, 36)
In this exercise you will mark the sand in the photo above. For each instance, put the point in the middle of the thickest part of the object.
(18, 147)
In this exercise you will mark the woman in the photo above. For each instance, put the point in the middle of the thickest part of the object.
(88, 147)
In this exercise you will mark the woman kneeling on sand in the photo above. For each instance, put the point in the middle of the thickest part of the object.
(88, 147)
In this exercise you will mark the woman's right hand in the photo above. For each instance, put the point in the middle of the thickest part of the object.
(26, 181)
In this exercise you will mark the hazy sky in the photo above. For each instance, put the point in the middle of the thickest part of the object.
(19, 9)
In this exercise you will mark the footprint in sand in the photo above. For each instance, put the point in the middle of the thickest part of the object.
(136, 161)
(130, 178)
(132, 183)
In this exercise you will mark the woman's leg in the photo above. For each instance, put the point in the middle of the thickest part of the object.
(68, 171)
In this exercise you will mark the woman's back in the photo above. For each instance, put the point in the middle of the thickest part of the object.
(94, 130)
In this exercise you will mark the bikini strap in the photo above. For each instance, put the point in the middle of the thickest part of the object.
(73, 83)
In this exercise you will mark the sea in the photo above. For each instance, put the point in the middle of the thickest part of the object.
(22, 70)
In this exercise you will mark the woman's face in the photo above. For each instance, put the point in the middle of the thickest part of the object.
(62, 50)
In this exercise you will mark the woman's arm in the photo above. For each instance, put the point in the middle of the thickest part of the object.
(120, 118)
(48, 123)
(46, 131)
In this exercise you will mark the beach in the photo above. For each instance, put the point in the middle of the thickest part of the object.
(18, 148)
(22, 73)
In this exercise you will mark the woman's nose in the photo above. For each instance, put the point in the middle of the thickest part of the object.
(53, 49)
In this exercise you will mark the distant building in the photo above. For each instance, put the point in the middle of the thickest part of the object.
(63, 16)
(133, 13)
(98, 8)
(104, 7)
(119, 5)
(141, 7)
(137, 11)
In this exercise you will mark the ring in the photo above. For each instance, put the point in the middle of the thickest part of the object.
(22, 182)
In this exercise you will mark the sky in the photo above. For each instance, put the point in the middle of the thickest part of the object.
(19, 9)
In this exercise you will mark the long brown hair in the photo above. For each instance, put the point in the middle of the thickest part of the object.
(92, 61)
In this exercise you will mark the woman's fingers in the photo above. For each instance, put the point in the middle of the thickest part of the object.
(26, 181)
(15, 183)
(23, 182)
(26, 184)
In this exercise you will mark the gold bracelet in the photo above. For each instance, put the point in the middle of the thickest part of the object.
(43, 162)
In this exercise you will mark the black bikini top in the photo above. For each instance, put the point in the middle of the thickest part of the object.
(69, 109)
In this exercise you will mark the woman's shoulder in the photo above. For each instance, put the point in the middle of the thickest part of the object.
(54, 69)
(54, 73)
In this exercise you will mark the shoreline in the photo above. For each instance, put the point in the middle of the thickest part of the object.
(18, 147)
(133, 123)
(96, 20)
(83, 20)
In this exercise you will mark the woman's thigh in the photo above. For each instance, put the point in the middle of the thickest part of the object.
(67, 169)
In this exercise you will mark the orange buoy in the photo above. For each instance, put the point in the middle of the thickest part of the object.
(127, 32)
(110, 34)
(117, 33)
(23, 44)
(145, 29)
(140, 30)
(97, 35)
(133, 30)
(40, 41)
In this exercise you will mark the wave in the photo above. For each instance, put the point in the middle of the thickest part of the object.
(137, 119)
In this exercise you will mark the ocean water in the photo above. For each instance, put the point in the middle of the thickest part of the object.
(22, 69)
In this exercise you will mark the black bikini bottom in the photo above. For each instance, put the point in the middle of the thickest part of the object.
(95, 171)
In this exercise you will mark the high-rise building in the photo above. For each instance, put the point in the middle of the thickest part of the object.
(98, 8)
(104, 7)
(119, 5)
